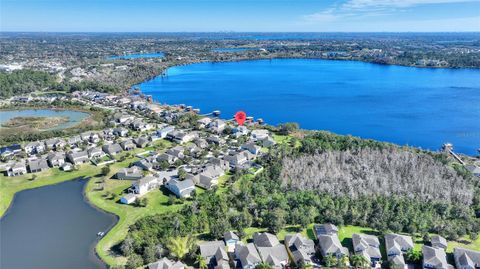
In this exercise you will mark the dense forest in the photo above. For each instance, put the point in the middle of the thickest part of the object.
(21, 82)
(265, 201)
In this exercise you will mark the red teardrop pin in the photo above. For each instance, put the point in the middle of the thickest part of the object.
(240, 117)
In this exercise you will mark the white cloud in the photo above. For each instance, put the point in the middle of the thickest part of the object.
(361, 4)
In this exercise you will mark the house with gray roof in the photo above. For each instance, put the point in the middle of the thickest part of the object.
(120, 131)
(369, 247)
(251, 147)
(329, 244)
(74, 140)
(112, 149)
(466, 258)
(34, 147)
(127, 144)
(56, 159)
(231, 240)
(166, 157)
(246, 256)
(37, 165)
(213, 252)
(177, 152)
(17, 169)
(78, 157)
(181, 188)
(141, 142)
(146, 184)
(55, 143)
(165, 131)
(396, 245)
(208, 177)
(165, 263)
(438, 242)
(95, 152)
(301, 249)
(128, 198)
(132, 173)
(270, 249)
(144, 164)
(216, 125)
(325, 229)
(434, 258)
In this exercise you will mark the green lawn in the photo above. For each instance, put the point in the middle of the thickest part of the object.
(11, 185)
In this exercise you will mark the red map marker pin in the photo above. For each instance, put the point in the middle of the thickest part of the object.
(240, 117)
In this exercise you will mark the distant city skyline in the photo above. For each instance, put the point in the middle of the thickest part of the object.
(240, 15)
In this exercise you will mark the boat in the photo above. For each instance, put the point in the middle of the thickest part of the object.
(100, 234)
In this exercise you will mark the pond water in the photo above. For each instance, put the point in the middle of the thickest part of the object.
(74, 117)
(415, 106)
(52, 227)
(138, 56)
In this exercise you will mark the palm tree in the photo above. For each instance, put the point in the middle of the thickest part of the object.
(180, 246)
(359, 261)
(201, 262)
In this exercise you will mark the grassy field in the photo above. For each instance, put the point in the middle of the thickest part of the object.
(11, 185)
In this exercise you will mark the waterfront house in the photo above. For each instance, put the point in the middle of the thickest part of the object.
(78, 157)
(367, 246)
(466, 258)
(300, 249)
(128, 198)
(56, 159)
(231, 240)
(270, 249)
(34, 147)
(141, 142)
(246, 256)
(434, 258)
(182, 189)
(146, 184)
(37, 165)
(165, 263)
(240, 130)
(66, 166)
(127, 145)
(213, 252)
(132, 173)
(17, 169)
(438, 242)
(251, 147)
(95, 152)
(112, 149)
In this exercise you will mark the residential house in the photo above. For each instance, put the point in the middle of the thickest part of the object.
(165, 263)
(466, 258)
(165, 131)
(181, 189)
(122, 118)
(95, 152)
(144, 165)
(270, 249)
(120, 131)
(251, 147)
(300, 249)
(10, 150)
(37, 165)
(74, 140)
(141, 126)
(78, 157)
(141, 142)
(56, 159)
(240, 130)
(181, 137)
(236, 159)
(246, 256)
(208, 177)
(325, 229)
(220, 163)
(438, 242)
(259, 134)
(112, 149)
(216, 140)
(369, 247)
(17, 169)
(55, 143)
(213, 252)
(146, 184)
(475, 170)
(166, 157)
(268, 142)
(231, 240)
(396, 245)
(132, 173)
(434, 258)
(127, 145)
(201, 143)
(35, 147)
(177, 152)
(216, 126)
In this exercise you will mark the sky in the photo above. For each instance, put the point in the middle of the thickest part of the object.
(240, 15)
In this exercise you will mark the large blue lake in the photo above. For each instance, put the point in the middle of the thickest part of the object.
(404, 105)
